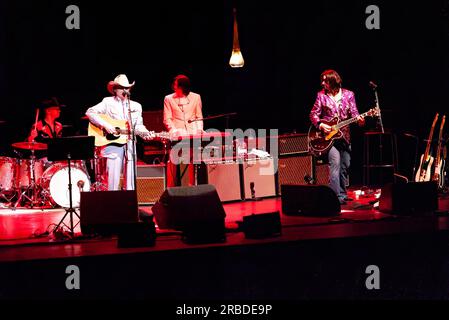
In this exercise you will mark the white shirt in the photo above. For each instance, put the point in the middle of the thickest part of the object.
(117, 109)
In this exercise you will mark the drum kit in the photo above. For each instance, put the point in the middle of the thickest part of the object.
(39, 183)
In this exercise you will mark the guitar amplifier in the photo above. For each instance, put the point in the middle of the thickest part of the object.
(295, 169)
(151, 183)
(322, 173)
(293, 144)
(259, 178)
(225, 176)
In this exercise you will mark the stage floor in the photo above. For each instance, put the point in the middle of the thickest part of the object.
(26, 233)
(314, 257)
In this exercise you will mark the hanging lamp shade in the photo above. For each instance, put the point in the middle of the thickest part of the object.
(236, 60)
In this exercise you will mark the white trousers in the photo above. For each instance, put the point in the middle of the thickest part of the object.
(115, 164)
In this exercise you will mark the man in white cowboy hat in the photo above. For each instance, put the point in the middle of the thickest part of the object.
(119, 156)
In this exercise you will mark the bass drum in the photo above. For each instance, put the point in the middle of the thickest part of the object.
(55, 181)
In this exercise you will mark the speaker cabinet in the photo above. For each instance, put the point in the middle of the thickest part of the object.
(258, 178)
(225, 176)
(196, 211)
(322, 173)
(295, 169)
(264, 225)
(104, 212)
(413, 198)
(293, 144)
(311, 200)
(151, 183)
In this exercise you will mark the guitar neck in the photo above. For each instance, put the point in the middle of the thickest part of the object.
(344, 123)
(429, 141)
(440, 138)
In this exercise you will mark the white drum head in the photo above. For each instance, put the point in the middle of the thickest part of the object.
(59, 186)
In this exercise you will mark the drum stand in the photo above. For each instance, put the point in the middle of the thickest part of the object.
(99, 184)
(33, 187)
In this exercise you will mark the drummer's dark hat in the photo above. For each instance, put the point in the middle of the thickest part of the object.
(51, 103)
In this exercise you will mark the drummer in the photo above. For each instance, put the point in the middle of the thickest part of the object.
(47, 127)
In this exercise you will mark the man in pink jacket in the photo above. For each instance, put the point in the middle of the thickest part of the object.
(330, 102)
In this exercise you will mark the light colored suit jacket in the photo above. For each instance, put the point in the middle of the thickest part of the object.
(178, 112)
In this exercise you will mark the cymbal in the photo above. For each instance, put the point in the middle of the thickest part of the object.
(67, 125)
(30, 145)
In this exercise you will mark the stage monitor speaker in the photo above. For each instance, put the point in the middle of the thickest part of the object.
(413, 198)
(313, 200)
(264, 225)
(297, 170)
(195, 210)
(137, 234)
(104, 212)
(151, 183)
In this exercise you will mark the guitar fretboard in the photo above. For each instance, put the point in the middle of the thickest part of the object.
(344, 123)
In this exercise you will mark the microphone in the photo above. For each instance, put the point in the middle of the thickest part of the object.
(308, 179)
(253, 191)
(126, 92)
(373, 85)
(80, 185)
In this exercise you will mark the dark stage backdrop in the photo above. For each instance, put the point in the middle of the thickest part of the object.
(286, 45)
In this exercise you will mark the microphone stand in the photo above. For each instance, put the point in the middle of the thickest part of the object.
(227, 115)
(378, 108)
(132, 138)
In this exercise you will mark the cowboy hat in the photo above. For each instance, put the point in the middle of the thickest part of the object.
(51, 103)
(120, 81)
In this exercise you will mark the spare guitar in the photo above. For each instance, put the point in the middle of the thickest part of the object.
(320, 142)
(425, 164)
(121, 134)
(438, 173)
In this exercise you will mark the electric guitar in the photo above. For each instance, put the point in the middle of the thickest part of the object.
(425, 164)
(438, 174)
(121, 134)
(320, 142)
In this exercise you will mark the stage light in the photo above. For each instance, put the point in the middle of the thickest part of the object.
(236, 60)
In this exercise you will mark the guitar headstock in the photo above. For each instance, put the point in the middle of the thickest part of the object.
(374, 112)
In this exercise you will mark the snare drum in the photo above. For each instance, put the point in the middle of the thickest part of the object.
(23, 178)
(7, 173)
(55, 180)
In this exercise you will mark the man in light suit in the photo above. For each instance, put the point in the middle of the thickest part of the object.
(182, 116)
(182, 108)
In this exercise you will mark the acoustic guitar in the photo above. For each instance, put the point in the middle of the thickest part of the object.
(121, 134)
